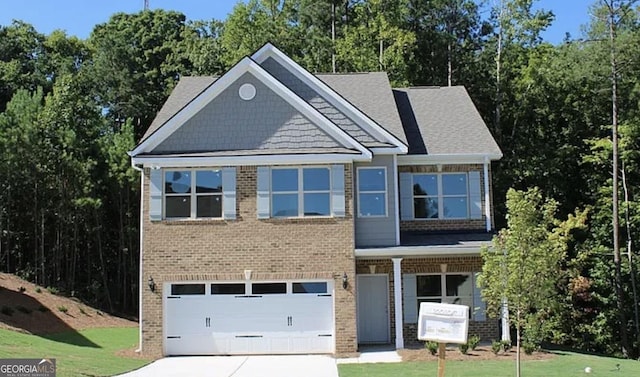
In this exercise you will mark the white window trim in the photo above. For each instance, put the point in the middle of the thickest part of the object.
(443, 289)
(385, 192)
(441, 197)
(300, 192)
(193, 195)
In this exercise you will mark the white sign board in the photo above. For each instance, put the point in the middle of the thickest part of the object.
(443, 323)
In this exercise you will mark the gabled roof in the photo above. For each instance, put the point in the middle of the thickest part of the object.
(444, 121)
(334, 99)
(186, 109)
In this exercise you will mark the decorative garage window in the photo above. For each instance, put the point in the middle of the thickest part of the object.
(309, 287)
(228, 288)
(192, 193)
(268, 288)
(316, 191)
(440, 196)
(372, 192)
(448, 288)
(187, 289)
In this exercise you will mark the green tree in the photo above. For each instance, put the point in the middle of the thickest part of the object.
(524, 264)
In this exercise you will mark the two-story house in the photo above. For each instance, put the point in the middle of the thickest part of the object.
(286, 212)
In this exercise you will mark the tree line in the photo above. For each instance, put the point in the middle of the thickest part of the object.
(70, 109)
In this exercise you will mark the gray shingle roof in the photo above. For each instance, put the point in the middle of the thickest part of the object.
(371, 93)
(443, 121)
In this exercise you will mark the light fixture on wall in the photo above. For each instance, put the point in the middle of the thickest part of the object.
(345, 281)
(152, 284)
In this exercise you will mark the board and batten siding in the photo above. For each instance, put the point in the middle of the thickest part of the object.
(377, 231)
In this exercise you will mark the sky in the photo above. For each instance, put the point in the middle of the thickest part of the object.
(78, 17)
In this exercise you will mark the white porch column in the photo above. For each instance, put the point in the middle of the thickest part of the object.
(397, 298)
(504, 318)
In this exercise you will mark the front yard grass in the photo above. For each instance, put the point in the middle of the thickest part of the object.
(566, 364)
(89, 352)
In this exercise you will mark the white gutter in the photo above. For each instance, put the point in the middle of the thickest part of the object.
(417, 251)
(396, 198)
(422, 159)
(487, 196)
(141, 170)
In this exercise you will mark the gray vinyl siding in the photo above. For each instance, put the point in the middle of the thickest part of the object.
(230, 123)
(377, 231)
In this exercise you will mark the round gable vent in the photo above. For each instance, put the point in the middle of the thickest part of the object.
(247, 92)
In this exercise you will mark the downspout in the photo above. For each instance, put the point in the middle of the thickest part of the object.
(141, 170)
(487, 196)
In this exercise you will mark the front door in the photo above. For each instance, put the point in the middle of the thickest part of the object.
(373, 308)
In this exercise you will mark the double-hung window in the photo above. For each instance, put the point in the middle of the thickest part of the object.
(299, 192)
(445, 288)
(372, 192)
(193, 193)
(440, 196)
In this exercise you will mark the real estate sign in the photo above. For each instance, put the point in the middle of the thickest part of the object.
(443, 323)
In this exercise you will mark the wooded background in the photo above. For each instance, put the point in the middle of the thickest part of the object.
(70, 109)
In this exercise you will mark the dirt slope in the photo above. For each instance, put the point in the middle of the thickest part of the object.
(36, 311)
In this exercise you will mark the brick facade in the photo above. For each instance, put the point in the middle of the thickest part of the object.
(197, 250)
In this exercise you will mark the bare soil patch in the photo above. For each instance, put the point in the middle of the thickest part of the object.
(480, 353)
(28, 308)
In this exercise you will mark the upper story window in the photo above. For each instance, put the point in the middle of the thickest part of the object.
(309, 191)
(441, 196)
(298, 192)
(372, 192)
(177, 194)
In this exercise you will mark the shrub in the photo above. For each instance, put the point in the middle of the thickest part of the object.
(506, 345)
(464, 348)
(432, 347)
(63, 309)
(22, 289)
(23, 309)
(43, 309)
(529, 347)
(53, 290)
(474, 340)
(496, 346)
(6, 310)
(38, 290)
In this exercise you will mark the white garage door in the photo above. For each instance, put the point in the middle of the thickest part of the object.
(222, 318)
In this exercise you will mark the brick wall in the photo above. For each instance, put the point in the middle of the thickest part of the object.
(271, 248)
(448, 225)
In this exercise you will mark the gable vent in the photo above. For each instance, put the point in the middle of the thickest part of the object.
(247, 92)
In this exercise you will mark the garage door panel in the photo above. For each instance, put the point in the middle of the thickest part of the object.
(250, 324)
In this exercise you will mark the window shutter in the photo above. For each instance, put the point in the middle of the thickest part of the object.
(229, 193)
(337, 191)
(264, 186)
(155, 194)
(406, 196)
(409, 298)
(479, 306)
(475, 195)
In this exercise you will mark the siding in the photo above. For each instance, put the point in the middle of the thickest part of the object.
(265, 122)
(377, 231)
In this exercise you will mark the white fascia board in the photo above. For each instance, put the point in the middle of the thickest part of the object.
(269, 50)
(246, 65)
(415, 252)
(283, 159)
(387, 151)
(431, 159)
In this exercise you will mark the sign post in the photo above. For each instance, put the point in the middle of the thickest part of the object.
(443, 323)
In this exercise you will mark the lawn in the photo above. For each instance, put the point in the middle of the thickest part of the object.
(89, 352)
(566, 364)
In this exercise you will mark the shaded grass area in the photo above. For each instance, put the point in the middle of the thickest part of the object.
(75, 358)
(567, 364)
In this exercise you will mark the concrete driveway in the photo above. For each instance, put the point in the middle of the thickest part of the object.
(240, 366)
